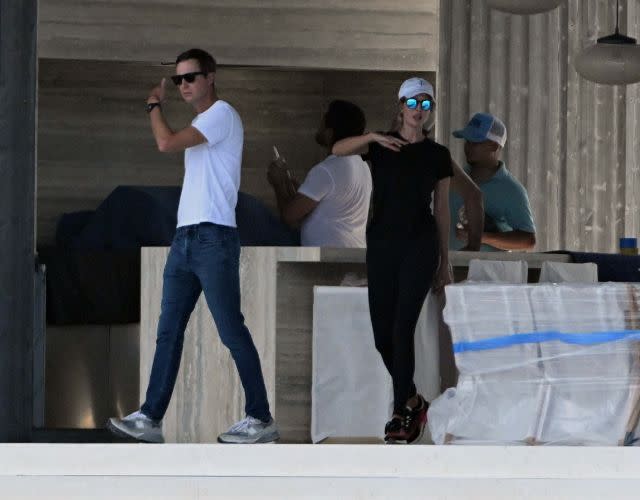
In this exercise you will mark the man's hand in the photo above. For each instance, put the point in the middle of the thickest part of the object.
(275, 173)
(279, 178)
(157, 94)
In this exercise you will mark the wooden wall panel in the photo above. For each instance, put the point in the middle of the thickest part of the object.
(632, 155)
(347, 34)
(94, 135)
(572, 143)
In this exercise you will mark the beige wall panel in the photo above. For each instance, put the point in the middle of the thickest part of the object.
(294, 339)
(208, 396)
(596, 136)
(352, 34)
(632, 181)
(572, 143)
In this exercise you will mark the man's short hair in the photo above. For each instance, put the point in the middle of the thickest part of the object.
(345, 119)
(205, 60)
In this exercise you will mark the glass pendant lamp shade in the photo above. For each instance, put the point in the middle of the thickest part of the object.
(610, 63)
(524, 6)
(614, 60)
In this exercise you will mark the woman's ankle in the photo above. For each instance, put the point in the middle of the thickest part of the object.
(414, 402)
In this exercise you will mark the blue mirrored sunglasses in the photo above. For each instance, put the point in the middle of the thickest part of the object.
(414, 103)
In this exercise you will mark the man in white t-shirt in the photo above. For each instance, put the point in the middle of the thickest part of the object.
(332, 204)
(204, 255)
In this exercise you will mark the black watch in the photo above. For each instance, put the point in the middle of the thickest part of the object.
(151, 105)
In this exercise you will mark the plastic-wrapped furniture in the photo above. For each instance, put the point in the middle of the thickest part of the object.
(563, 272)
(542, 364)
(497, 271)
(351, 391)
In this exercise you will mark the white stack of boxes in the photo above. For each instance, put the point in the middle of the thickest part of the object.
(541, 364)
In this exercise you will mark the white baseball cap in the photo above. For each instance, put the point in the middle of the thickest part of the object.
(415, 86)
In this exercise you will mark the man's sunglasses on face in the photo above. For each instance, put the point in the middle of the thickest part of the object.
(188, 77)
(414, 103)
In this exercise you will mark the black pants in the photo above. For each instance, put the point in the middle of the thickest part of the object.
(399, 276)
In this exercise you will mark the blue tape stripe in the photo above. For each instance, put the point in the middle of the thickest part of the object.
(589, 338)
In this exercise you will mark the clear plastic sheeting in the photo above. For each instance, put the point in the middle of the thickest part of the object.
(542, 364)
(498, 271)
(564, 272)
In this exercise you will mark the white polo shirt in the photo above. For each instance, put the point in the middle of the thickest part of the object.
(212, 169)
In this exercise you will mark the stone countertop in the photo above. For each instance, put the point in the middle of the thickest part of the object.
(358, 255)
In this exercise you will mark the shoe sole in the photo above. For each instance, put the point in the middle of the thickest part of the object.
(263, 440)
(125, 435)
(395, 441)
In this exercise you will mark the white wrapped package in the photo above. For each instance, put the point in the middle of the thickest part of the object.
(560, 367)
(351, 392)
(594, 379)
(513, 371)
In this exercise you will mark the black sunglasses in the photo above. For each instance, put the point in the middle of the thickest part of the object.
(188, 77)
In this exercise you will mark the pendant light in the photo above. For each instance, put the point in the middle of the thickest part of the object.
(524, 6)
(614, 60)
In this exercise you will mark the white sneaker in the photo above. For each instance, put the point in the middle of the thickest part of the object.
(251, 430)
(137, 426)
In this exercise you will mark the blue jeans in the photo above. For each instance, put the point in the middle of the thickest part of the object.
(203, 257)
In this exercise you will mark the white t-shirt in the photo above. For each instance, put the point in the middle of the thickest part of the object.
(212, 169)
(342, 186)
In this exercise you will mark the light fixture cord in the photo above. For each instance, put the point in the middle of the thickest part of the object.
(617, 16)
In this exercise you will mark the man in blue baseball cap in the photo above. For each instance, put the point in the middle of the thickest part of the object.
(509, 222)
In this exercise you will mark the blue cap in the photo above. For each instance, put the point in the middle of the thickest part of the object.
(628, 243)
(483, 127)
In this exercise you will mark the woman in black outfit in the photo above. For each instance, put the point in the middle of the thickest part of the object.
(407, 245)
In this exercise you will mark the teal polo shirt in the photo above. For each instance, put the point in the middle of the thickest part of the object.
(506, 207)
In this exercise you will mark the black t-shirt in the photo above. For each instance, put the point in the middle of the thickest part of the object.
(403, 184)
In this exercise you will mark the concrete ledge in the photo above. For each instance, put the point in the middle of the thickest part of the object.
(348, 461)
(203, 471)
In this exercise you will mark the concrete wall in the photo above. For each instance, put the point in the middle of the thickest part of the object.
(332, 34)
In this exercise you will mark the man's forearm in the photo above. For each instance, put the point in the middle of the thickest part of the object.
(161, 130)
(473, 203)
(475, 221)
(284, 195)
(510, 240)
